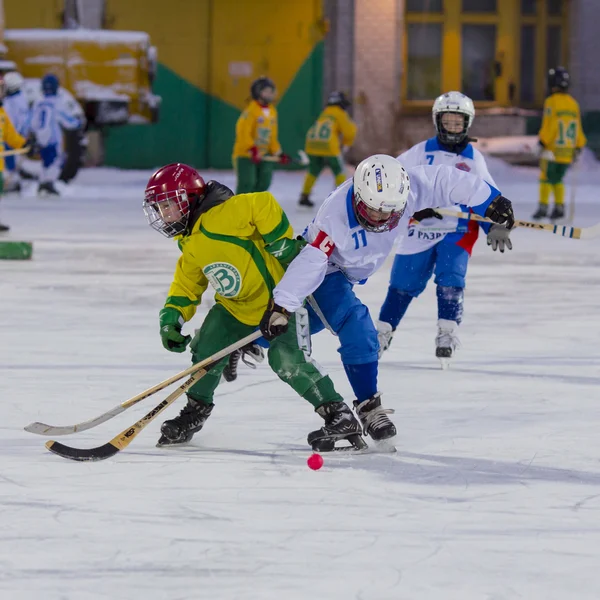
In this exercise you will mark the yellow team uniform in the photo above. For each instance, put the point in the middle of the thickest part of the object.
(561, 133)
(256, 126)
(333, 126)
(333, 129)
(226, 247)
(9, 134)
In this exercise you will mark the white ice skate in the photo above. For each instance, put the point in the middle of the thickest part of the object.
(446, 341)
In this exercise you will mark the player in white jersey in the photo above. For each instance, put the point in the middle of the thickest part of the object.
(50, 115)
(436, 244)
(19, 112)
(348, 240)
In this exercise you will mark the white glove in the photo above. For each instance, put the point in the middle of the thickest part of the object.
(384, 336)
(547, 155)
(498, 238)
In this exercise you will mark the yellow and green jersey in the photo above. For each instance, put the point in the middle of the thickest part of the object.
(561, 129)
(226, 248)
(333, 126)
(8, 134)
(256, 126)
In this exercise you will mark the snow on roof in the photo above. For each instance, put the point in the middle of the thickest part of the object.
(89, 90)
(77, 35)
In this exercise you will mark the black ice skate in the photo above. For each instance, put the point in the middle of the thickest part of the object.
(251, 355)
(182, 428)
(374, 418)
(541, 212)
(47, 189)
(4, 228)
(305, 201)
(558, 212)
(13, 187)
(446, 341)
(340, 424)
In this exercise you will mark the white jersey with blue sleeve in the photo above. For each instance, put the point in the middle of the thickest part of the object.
(18, 110)
(337, 241)
(422, 236)
(49, 115)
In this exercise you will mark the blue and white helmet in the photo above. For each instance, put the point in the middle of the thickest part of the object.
(381, 187)
(457, 103)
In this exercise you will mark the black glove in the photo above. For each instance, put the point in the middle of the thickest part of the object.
(498, 238)
(427, 213)
(274, 321)
(31, 145)
(500, 211)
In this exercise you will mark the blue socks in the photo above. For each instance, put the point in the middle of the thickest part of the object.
(363, 379)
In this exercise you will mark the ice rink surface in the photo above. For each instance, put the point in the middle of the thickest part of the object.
(494, 493)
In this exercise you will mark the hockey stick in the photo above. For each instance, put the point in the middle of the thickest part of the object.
(576, 233)
(24, 150)
(302, 161)
(573, 191)
(44, 429)
(121, 441)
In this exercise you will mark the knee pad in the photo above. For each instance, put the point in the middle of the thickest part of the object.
(450, 303)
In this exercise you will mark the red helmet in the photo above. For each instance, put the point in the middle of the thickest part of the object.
(169, 195)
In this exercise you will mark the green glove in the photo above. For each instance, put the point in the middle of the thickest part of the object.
(285, 250)
(170, 330)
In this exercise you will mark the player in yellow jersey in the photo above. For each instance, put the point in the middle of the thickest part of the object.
(561, 139)
(8, 134)
(333, 127)
(256, 135)
(239, 244)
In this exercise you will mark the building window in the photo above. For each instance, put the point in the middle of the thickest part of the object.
(528, 7)
(554, 7)
(480, 6)
(478, 58)
(424, 6)
(424, 61)
(553, 47)
(496, 51)
(527, 64)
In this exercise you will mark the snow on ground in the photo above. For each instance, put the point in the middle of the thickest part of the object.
(494, 493)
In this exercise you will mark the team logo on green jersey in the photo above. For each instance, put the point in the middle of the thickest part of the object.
(225, 278)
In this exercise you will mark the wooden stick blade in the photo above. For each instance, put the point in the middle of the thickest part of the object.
(45, 429)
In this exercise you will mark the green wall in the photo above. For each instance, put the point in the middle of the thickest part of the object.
(199, 129)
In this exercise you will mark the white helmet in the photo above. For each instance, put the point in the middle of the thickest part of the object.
(13, 81)
(381, 185)
(452, 102)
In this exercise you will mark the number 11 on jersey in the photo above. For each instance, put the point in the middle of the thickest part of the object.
(359, 241)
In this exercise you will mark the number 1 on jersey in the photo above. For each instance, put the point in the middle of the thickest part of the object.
(357, 241)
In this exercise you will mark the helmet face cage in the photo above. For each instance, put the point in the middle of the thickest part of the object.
(167, 212)
(361, 210)
(449, 137)
(456, 103)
